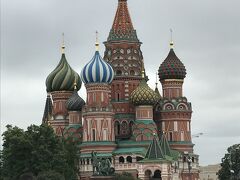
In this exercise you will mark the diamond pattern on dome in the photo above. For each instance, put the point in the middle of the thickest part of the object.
(172, 67)
(143, 95)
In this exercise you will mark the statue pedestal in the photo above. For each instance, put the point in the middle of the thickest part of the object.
(102, 177)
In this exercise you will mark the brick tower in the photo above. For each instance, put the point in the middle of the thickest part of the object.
(98, 128)
(60, 86)
(174, 109)
(125, 56)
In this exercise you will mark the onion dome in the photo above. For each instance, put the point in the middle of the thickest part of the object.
(97, 70)
(143, 94)
(75, 102)
(172, 67)
(62, 78)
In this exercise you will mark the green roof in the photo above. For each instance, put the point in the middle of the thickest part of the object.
(154, 150)
(146, 122)
(88, 155)
(75, 126)
(138, 150)
(94, 143)
(129, 143)
(175, 154)
(165, 146)
(121, 115)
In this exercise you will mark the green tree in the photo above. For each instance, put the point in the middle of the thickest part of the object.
(124, 176)
(230, 166)
(37, 150)
(50, 175)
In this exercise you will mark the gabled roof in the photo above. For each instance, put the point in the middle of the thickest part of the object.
(154, 150)
(48, 110)
(165, 146)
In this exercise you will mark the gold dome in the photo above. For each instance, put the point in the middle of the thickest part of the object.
(143, 95)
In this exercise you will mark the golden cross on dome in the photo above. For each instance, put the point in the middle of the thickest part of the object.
(171, 43)
(63, 44)
(97, 43)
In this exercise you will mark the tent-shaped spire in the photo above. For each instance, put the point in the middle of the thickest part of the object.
(154, 150)
(165, 145)
(48, 110)
(122, 28)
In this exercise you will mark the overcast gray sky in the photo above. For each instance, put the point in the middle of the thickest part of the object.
(206, 36)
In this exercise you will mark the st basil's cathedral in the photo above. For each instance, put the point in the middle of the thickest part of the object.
(139, 130)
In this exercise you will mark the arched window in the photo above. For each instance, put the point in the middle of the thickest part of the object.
(129, 159)
(124, 127)
(121, 159)
(157, 174)
(118, 96)
(148, 174)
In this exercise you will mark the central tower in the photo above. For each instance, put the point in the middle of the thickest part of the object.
(125, 56)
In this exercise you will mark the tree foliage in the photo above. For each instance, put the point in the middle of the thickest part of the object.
(230, 166)
(37, 150)
(124, 176)
(52, 175)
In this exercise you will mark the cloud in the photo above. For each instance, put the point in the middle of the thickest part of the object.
(206, 39)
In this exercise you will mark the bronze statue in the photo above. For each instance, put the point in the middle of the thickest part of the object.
(101, 166)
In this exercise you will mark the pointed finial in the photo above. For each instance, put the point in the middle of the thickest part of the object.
(97, 43)
(171, 43)
(63, 44)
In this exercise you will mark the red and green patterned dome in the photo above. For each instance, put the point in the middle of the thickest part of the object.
(172, 67)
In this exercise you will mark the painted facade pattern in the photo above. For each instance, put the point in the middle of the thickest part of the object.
(141, 131)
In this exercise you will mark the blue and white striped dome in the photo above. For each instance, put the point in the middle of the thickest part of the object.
(97, 71)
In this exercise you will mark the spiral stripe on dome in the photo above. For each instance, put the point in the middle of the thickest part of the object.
(62, 77)
(97, 71)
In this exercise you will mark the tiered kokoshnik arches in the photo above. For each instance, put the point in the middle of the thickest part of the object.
(138, 129)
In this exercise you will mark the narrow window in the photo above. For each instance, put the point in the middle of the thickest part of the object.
(170, 136)
(93, 135)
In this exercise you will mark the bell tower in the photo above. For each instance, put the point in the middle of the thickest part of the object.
(125, 56)
(174, 109)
